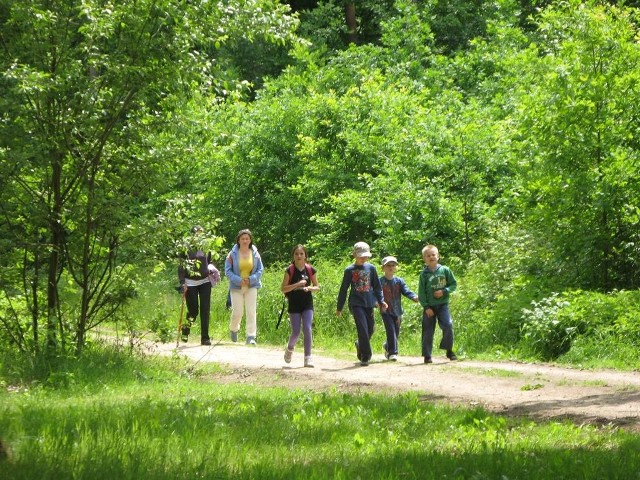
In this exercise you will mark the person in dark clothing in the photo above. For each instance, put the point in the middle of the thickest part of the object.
(361, 280)
(197, 275)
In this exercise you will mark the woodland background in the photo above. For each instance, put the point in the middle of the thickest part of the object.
(506, 132)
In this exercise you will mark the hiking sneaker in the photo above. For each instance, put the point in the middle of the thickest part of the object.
(451, 356)
(308, 362)
(364, 363)
(234, 336)
(205, 342)
(392, 358)
(428, 360)
(357, 349)
(287, 355)
(251, 340)
(184, 338)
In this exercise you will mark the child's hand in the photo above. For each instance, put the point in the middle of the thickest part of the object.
(339, 313)
(438, 293)
(429, 312)
(383, 307)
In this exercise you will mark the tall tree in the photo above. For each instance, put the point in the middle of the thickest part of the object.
(578, 112)
(84, 83)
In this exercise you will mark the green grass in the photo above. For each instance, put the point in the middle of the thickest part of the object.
(492, 372)
(113, 415)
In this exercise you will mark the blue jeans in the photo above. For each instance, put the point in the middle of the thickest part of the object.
(364, 326)
(429, 327)
(393, 332)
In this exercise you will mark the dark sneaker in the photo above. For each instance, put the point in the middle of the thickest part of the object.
(364, 363)
(357, 349)
(184, 338)
(205, 342)
(451, 356)
(428, 360)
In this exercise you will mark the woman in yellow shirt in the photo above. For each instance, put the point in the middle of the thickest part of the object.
(243, 267)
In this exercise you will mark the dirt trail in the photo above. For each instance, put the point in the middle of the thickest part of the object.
(537, 391)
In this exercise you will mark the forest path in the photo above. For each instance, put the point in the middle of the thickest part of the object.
(537, 391)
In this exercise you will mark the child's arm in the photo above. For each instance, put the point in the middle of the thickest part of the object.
(342, 294)
(407, 292)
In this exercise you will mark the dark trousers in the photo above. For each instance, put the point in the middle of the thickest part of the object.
(198, 298)
(429, 327)
(364, 326)
(393, 332)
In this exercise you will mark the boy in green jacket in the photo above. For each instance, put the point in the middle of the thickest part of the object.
(435, 284)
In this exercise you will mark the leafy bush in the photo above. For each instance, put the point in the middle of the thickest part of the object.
(591, 321)
(544, 332)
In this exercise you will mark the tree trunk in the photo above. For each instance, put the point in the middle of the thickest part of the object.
(56, 247)
(352, 23)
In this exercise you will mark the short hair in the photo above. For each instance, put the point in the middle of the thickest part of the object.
(244, 231)
(299, 247)
(429, 247)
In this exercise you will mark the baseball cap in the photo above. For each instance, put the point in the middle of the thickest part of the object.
(361, 249)
(389, 259)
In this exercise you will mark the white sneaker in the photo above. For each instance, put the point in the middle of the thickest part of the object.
(287, 355)
(393, 358)
(308, 362)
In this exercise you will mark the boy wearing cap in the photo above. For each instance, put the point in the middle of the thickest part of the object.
(393, 288)
(361, 280)
(435, 284)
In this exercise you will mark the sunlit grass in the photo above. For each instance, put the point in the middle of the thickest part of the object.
(125, 417)
(492, 372)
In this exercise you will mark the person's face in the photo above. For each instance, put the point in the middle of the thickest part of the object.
(299, 255)
(244, 240)
(430, 256)
(390, 269)
(361, 260)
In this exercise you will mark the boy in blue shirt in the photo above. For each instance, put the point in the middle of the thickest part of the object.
(365, 292)
(393, 288)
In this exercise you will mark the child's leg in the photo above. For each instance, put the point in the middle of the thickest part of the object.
(444, 320)
(397, 324)
(307, 322)
(389, 322)
(361, 317)
(296, 321)
(428, 329)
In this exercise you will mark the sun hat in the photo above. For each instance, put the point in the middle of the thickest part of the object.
(361, 249)
(389, 259)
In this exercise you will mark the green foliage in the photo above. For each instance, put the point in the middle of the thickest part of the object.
(86, 89)
(594, 322)
(579, 142)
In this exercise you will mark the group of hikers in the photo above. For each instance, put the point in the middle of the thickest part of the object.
(361, 289)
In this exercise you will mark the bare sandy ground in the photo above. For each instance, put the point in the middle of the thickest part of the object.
(538, 391)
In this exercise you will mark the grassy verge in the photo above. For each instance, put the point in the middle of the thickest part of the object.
(112, 415)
